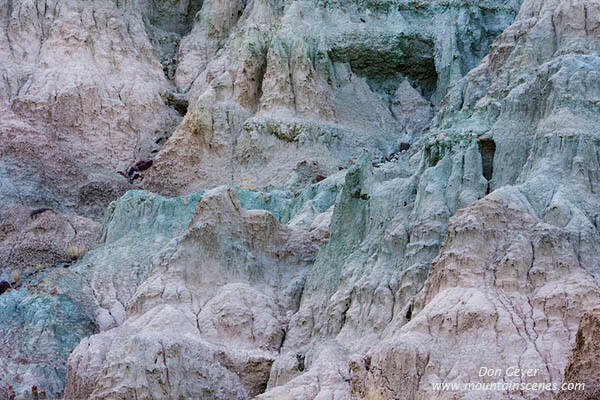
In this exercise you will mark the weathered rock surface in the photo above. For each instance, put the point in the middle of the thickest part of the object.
(374, 197)
(39, 329)
(79, 99)
(507, 289)
(528, 97)
(52, 308)
(581, 368)
(268, 91)
(209, 320)
(33, 239)
(498, 127)
(93, 293)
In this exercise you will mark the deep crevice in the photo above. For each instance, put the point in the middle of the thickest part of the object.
(386, 67)
(167, 22)
(178, 101)
(487, 149)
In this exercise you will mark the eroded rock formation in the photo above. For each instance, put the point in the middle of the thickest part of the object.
(370, 198)
(581, 368)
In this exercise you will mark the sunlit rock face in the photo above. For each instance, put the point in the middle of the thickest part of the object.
(304, 200)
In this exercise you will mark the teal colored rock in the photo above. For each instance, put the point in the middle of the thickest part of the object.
(88, 296)
(91, 294)
(38, 332)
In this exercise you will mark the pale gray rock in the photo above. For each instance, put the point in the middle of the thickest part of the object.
(268, 90)
(80, 99)
(522, 124)
(335, 265)
(213, 310)
(411, 110)
(506, 290)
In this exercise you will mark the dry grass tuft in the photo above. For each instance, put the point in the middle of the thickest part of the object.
(75, 252)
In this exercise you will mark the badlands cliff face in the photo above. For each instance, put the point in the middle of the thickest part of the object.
(348, 199)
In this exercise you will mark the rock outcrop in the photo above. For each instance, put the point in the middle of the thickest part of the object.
(371, 199)
(269, 91)
(506, 290)
(52, 308)
(581, 368)
(209, 320)
(528, 99)
(80, 97)
(33, 239)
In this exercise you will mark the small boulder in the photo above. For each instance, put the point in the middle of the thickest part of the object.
(142, 165)
(319, 178)
(4, 286)
(404, 146)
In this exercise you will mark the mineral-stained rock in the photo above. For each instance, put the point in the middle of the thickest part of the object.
(504, 279)
(527, 103)
(38, 332)
(91, 294)
(51, 309)
(33, 239)
(581, 371)
(374, 197)
(80, 96)
(209, 320)
(267, 90)
(385, 230)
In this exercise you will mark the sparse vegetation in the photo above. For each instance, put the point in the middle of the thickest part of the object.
(15, 276)
(248, 186)
(75, 252)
